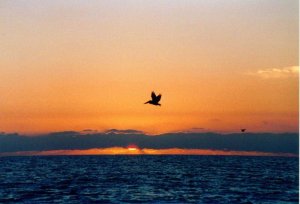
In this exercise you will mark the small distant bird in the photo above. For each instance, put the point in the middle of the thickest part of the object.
(155, 99)
(243, 130)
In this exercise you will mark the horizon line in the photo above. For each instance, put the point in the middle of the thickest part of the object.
(136, 132)
(126, 151)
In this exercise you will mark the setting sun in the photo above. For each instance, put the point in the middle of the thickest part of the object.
(132, 147)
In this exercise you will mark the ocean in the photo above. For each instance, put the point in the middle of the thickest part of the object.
(149, 179)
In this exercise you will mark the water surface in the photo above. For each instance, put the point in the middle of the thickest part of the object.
(149, 179)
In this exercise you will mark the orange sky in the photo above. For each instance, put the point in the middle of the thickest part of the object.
(219, 65)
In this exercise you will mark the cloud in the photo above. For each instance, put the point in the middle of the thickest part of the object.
(70, 140)
(64, 133)
(277, 73)
(128, 131)
(192, 130)
(88, 131)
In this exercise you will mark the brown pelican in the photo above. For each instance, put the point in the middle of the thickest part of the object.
(155, 99)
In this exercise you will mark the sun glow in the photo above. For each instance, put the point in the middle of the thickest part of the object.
(137, 151)
(132, 147)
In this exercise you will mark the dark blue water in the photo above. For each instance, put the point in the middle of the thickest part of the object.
(148, 179)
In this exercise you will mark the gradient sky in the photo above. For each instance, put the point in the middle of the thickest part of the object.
(220, 65)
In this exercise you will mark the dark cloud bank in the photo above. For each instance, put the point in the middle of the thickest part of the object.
(262, 142)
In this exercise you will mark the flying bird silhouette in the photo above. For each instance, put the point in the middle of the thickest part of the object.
(155, 99)
(243, 130)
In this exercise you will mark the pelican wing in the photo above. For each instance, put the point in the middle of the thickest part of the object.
(153, 96)
(157, 99)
